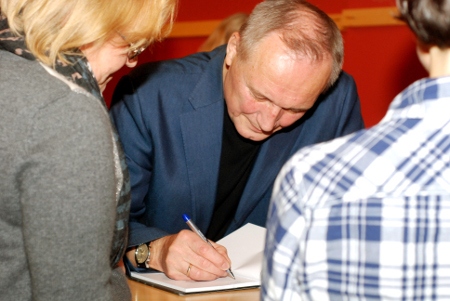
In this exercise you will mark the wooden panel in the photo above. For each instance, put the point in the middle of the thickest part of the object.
(363, 17)
(370, 17)
(193, 29)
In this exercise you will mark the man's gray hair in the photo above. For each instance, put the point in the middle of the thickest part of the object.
(303, 27)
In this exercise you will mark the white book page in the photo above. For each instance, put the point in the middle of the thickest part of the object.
(245, 247)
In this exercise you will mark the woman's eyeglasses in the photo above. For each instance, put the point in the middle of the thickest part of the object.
(133, 50)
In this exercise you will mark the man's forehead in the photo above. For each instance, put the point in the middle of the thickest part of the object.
(281, 97)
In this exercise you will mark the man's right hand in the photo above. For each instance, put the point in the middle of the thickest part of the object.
(185, 256)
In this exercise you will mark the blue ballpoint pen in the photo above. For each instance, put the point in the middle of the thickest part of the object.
(194, 228)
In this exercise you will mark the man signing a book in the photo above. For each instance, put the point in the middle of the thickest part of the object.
(206, 135)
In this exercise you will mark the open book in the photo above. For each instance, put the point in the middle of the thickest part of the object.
(245, 248)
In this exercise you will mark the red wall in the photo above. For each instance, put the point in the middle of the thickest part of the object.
(381, 59)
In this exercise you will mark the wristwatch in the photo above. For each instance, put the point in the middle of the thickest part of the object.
(142, 256)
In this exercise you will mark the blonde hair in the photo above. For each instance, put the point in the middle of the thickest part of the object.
(303, 27)
(223, 31)
(54, 28)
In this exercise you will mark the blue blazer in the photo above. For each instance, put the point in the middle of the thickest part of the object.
(169, 116)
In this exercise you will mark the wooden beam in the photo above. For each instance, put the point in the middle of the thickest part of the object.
(193, 29)
(349, 18)
(384, 16)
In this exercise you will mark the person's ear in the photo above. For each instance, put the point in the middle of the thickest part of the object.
(423, 53)
(232, 47)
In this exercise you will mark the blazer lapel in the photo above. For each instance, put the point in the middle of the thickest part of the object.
(272, 156)
(202, 126)
(202, 135)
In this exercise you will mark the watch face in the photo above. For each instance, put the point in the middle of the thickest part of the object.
(141, 253)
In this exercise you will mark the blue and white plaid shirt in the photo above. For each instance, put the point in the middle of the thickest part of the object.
(367, 216)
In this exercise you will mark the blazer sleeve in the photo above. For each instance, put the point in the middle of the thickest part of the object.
(127, 115)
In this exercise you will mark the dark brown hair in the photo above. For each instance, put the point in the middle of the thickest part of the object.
(428, 19)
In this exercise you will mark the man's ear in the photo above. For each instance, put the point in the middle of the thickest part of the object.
(232, 46)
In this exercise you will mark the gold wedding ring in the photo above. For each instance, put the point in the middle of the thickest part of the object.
(188, 270)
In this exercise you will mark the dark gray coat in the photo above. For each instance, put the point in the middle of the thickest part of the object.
(58, 188)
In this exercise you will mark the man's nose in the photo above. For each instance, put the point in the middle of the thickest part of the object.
(269, 118)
